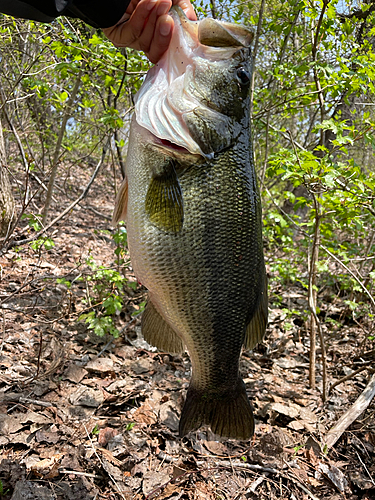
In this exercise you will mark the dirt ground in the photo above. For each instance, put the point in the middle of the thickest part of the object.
(88, 417)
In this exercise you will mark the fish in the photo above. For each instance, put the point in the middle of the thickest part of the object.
(192, 208)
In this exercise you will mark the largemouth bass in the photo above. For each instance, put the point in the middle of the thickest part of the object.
(193, 213)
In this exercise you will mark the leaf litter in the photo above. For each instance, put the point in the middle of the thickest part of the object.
(90, 417)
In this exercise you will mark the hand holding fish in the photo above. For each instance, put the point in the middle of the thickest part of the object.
(147, 26)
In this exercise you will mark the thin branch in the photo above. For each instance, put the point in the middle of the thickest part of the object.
(56, 155)
(314, 52)
(351, 414)
(67, 210)
(312, 294)
(255, 51)
(118, 149)
(351, 375)
(351, 274)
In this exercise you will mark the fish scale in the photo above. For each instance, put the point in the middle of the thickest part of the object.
(194, 224)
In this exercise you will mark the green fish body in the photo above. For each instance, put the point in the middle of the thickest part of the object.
(193, 214)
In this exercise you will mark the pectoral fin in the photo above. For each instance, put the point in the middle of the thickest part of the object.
(158, 333)
(256, 328)
(121, 204)
(164, 203)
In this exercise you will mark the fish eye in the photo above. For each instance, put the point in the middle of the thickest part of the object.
(243, 76)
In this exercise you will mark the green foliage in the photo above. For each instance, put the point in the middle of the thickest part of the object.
(107, 287)
(129, 426)
(34, 223)
(95, 431)
(314, 126)
(2, 491)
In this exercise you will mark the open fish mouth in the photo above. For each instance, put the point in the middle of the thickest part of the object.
(166, 144)
(167, 101)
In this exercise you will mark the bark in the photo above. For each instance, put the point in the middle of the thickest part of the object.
(7, 204)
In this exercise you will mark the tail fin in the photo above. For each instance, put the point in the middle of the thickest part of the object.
(229, 415)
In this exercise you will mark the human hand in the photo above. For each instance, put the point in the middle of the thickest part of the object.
(147, 26)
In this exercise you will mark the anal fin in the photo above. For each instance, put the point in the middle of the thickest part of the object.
(257, 326)
(158, 333)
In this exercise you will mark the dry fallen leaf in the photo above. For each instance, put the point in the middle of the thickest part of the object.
(153, 480)
(334, 474)
(145, 414)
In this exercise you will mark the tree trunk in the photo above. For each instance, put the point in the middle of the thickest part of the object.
(7, 204)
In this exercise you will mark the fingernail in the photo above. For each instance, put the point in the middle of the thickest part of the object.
(165, 29)
(151, 4)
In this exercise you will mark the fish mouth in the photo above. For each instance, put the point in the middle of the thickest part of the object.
(165, 103)
(182, 155)
(170, 146)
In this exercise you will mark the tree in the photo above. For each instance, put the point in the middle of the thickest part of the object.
(7, 204)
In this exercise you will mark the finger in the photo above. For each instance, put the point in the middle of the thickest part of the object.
(132, 6)
(186, 6)
(161, 39)
(139, 17)
(145, 39)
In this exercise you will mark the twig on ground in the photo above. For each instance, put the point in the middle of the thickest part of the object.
(303, 488)
(105, 348)
(244, 465)
(364, 466)
(351, 414)
(3, 336)
(39, 353)
(96, 212)
(86, 474)
(255, 484)
(101, 463)
(351, 375)
(36, 402)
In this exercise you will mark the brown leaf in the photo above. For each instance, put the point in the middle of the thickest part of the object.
(144, 415)
(86, 396)
(10, 424)
(35, 418)
(75, 373)
(153, 480)
(203, 492)
(142, 365)
(169, 490)
(101, 365)
(334, 474)
(216, 448)
(168, 415)
(109, 456)
(47, 437)
(289, 410)
(105, 435)
(46, 465)
(112, 470)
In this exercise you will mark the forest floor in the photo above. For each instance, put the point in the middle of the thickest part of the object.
(88, 417)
